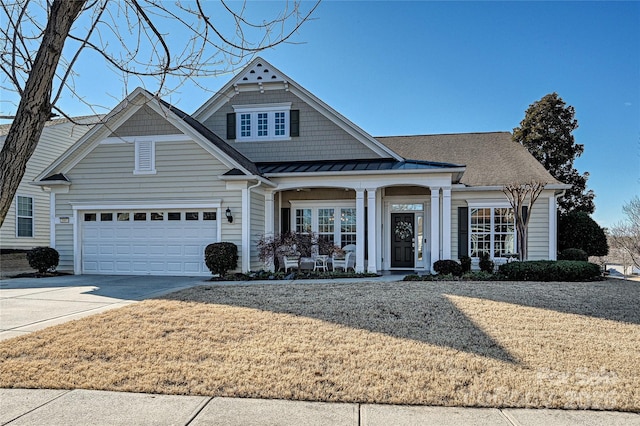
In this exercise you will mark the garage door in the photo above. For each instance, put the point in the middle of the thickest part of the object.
(147, 242)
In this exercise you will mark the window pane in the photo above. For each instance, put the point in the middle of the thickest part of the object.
(263, 127)
(106, 217)
(303, 220)
(245, 125)
(123, 217)
(191, 215)
(348, 220)
(325, 221)
(90, 217)
(25, 206)
(279, 124)
(157, 216)
(25, 227)
(209, 216)
(173, 216)
(140, 216)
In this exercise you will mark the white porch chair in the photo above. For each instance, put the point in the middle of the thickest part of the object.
(349, 262)
(290, 262)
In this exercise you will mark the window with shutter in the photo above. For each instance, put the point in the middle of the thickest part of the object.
(145, 161)
(263, 122)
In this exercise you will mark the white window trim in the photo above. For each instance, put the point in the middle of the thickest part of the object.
(270, 109)
(493, 206)
(146, 171)
(314, 206)
(32, 217)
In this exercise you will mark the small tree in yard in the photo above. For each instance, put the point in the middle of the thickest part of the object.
(625, 235)
(520, 196)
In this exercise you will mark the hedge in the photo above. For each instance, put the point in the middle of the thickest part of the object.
(549, 270)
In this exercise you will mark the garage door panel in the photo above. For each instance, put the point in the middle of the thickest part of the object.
(159, 247)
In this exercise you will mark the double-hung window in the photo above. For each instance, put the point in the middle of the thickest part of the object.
(492, 230)
(24, 216)
(262, 122)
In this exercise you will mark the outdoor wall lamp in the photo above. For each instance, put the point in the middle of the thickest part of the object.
(228, 215)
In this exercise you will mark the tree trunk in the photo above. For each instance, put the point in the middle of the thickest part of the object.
(35, 104)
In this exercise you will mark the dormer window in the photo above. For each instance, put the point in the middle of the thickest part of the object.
(262, 122)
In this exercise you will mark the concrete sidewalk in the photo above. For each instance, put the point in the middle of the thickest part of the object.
(84, 407)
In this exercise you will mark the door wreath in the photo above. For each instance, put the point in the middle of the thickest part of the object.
(403, 230)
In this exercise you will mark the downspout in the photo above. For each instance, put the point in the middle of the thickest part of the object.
(246, 229)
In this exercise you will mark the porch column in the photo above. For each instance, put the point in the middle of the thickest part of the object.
(435, 225)
(446, 223)
(268, 212)
(371, 231)
(360, 230)
(268, 220)
(246, 229)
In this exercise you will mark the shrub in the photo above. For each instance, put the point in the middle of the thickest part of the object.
(221, 257)
(446, 267)
(43, 259)
(465, 262)
(479, 276)
(579, 230)
(486, 264)
(573, 254)
(549, 270)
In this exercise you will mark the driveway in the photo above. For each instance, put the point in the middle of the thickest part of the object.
(30, 304)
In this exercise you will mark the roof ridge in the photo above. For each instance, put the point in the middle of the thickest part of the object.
(445, 134)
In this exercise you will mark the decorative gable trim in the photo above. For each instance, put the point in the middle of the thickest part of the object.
(236, 85)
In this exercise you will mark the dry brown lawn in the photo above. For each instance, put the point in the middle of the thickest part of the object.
(555, 345)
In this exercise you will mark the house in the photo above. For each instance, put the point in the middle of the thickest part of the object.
(28, 221)
(147, 191)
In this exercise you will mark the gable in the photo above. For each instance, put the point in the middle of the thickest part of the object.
(145, 122)
(141, 118)
(321, 133)
(318, 139)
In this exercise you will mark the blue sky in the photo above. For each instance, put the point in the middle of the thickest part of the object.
(403, 68)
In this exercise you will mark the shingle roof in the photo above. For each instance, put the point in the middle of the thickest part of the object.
(84, 120)
(492, 159)
(213, 138)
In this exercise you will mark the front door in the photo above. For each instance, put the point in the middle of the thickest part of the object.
(402, 240)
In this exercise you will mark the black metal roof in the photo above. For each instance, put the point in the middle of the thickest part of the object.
(350, 165)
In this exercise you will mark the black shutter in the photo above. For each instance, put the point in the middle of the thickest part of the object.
(525, 211)
(231, 125)
(463, 231)
(294, 123)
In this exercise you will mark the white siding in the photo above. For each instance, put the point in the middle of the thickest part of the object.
(185, 171)
(55, 139)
